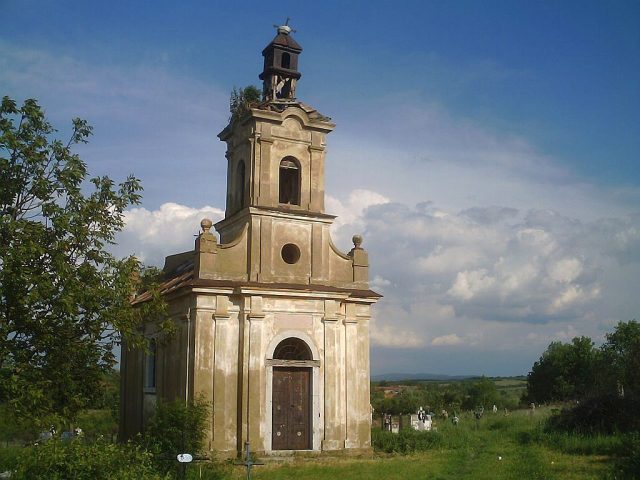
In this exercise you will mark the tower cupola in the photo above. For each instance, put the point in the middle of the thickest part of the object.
(280, 72)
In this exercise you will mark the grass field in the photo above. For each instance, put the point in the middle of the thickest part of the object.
(496, 447)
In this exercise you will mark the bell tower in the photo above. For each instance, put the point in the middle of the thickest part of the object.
(275, 176)
(280, 72)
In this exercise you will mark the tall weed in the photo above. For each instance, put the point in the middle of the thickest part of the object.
(628, 465)
(407, 441)
(56, 460)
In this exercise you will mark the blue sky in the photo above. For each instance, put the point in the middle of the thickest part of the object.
(488, 151)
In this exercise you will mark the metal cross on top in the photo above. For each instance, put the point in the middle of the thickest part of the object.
(285, 28)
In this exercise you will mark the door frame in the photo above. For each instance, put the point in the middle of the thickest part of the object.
(315, 410)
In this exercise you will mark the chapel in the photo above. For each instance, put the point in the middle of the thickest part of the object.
(272, 319)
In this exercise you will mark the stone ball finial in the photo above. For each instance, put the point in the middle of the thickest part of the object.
(357, 241)
(206, 224)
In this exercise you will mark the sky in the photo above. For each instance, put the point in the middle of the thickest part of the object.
(488, 152)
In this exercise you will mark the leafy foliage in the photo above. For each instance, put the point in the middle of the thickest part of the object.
(451, 396)
(578, 370)
(621, 355)
(242, 99)
(64, 300)
(565, 371)
(406, 441)
(601, 414)
(602, 383)
(628, 465)
(176, 427)
(57, 460)
(110, 395)
(16, 429)
(481, 393)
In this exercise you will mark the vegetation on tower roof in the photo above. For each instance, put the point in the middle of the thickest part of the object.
(242, 99)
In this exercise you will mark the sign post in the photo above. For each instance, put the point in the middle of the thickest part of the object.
(184, 458)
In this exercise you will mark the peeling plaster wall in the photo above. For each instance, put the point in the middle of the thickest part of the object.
(234, 338)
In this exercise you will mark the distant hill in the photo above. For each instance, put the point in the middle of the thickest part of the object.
(396, 377)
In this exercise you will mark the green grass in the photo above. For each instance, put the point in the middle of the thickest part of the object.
(8, 457)
(495, 448)
(511, 382)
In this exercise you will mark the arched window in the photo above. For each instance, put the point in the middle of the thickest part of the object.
(292, 349)
(150, 365)
(240, 179)
(286, 60)
(290, 181)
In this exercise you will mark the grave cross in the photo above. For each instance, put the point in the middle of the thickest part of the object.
(248, 462)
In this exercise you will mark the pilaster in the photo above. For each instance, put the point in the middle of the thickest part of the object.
(263, 180)
(204, 365)
(352, 378)
(256, 377)
(334, 392)
(225, 378)
(316, 178)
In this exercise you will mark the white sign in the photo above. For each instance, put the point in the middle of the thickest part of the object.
(185, 458)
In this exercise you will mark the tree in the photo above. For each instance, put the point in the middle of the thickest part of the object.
(64, 300)
(480, 393)
(621, 353)
(565, 371)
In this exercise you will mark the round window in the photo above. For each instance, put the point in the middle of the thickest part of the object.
(290, 253)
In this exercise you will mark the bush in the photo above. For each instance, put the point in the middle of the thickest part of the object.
(604, 414)
(179, 427)
(56, 460)
(628, 466)
(407, 441)
(97, 423)
(9, 458)
(14, 430)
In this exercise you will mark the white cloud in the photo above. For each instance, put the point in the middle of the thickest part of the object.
(447, 340)
(469, 284)
(379, 283)
(573, 295)
(421, 152)
(390, 336)
(565, 270)
(154, 234)
(475, 237)
(510, 282)
(350, 213)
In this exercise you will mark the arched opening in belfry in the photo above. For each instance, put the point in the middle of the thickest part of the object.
(289, 181)
(240, 178)
(286, 60)
(292, 349)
